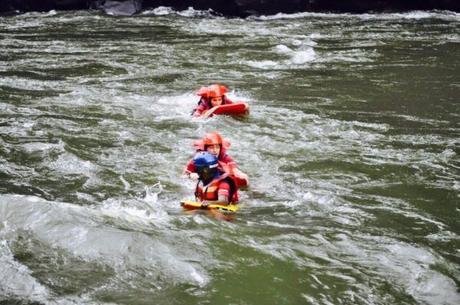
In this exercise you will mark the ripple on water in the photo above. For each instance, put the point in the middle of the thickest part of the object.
(112, 236)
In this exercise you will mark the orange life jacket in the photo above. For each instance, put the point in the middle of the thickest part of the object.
(210, 191)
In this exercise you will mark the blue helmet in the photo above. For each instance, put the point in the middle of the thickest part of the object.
(205, 159)
(205, 165)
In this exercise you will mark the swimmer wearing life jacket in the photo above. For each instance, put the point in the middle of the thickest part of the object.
(213, 186)
(211, 96)
(216, 145)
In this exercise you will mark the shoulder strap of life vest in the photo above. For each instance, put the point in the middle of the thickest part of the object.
(227, 179)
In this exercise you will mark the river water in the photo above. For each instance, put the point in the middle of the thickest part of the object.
(352, 148)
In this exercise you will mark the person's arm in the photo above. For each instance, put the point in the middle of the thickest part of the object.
(244, 180)
(227, 164)
(231, 168)
(189, 171)
(200, 109)
(197, 112)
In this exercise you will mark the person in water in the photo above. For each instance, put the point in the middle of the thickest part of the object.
(216, 145)
(213, 186)
(211, 96)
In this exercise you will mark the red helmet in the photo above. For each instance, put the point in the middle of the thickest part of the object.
(211, 138)
(217, 90)
(214, 90)
(203, 91)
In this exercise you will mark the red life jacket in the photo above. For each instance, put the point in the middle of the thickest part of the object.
(204, 104)
(210, 191)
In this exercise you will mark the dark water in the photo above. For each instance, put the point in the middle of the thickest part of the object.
(352, 148)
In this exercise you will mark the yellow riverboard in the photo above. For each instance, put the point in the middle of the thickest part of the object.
(192, 205)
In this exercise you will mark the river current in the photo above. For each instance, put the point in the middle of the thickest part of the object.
(352, 149)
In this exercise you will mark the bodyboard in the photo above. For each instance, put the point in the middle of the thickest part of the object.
(193, 205)
(232, 109)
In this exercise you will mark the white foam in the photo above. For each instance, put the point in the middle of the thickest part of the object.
(282, 49)
(71, 164)
(126, 184)
(303, 56)
(161, 11)
(265, 64)
(298, 57)
(190, 12)
(42, 148)
(443, 15)
(112, 233)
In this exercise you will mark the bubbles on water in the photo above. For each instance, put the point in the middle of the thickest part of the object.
(71, 164)
(282, 49)
(443, 15)
(151, 196)
(447, 155)
(303, 56)
(324, 200)
(175, 107)
(139, 211)
(159, 11)
(39, 152)
(297, 57)
(190, 12)
(265, 64)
